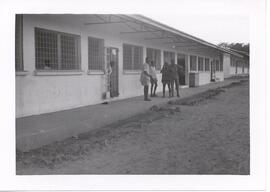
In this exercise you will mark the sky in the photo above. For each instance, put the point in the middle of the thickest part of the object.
(212, 28)
(212, 20)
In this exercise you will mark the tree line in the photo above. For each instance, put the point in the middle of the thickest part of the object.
(237, 46)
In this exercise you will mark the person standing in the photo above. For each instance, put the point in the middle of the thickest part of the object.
(153, 80)
(175, 79)
(166, 78)
(145, 78)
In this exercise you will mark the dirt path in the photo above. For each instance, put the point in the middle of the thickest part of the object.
(205, 134)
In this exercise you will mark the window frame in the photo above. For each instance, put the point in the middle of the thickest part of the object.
(158, 65)
(19, 61)
(195, 64)
(135, 67)
(102, 56)
(217, 63)
(77, 45)
(221, 66)
(173, 53)
(205, 68)
(202, 64)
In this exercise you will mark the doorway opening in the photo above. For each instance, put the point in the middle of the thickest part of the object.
(113, 75)
(182, 73)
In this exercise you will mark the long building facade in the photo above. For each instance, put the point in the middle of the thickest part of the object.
(62, 61)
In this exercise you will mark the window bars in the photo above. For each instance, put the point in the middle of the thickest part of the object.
(193, 63)
(132, 57)
(155, 56)
(217, 65)
(169, 57)
(200, 64)
(95, 53)
(19, 42)
(206, 64)
(56, 50)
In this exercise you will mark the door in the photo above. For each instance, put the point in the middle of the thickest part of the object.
(213, 70)
(182, 63)
(112, 62)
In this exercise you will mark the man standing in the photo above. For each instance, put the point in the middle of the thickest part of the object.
(153, 80)
(175, 80)
(145, 78)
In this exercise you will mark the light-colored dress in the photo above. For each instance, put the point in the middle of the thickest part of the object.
(145, 80)
(152, 72)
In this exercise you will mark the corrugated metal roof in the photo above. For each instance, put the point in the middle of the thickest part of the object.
(180, 33)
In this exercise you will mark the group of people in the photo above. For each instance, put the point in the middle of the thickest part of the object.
(170, 78)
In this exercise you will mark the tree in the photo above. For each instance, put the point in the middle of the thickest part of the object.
(237, 46)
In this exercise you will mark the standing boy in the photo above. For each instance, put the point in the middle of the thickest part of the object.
(145, 78)
(153, 80)
(175, 80)
(166, 78)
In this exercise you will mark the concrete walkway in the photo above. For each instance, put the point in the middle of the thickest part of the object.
(35, 131)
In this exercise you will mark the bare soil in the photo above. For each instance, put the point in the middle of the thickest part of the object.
(207, 133)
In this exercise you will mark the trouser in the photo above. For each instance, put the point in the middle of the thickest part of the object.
(145, 90)
(169, 87)
(153, 87)
(176, 82)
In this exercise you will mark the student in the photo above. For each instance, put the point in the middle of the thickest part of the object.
(174, 68)
(153, 80)
(145, 78)
(166, 78)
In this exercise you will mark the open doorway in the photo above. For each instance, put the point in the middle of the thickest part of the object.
(213, 70)
(181, 61)
(113, 75)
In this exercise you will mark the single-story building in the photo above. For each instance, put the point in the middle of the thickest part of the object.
(237, 65)
(62, 59)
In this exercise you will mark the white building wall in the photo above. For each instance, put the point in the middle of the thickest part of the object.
(37, 94)
(220, 75)
(232, 70)
(226, 65)
(204, 77)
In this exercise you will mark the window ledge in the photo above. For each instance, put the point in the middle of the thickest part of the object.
(57, 73)
(95, 72)
(22, 73)
(132, 72)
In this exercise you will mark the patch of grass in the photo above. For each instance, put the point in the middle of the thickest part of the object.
(198, 99)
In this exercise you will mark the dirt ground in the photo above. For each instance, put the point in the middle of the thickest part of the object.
(204, 134)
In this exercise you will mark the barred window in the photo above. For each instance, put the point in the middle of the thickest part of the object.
(56, 50)
(19, 42)
(95, 53)
(132, 57)
(200, 64)
(217, 65)
(169, 57)
(221, 66)
(206, 64)
(193, 63)
(232, 61)
(155, 56)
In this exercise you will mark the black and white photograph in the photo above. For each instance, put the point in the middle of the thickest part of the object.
(79, 107)
(140, 92)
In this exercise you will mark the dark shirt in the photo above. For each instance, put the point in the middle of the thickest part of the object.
(175, 69)
(166, 73)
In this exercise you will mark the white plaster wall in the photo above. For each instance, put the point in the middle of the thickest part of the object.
(226, 65)
(220, 75)
(239, 70)
(232, 70)
(246, 70)
(42, 94)
(204, 77)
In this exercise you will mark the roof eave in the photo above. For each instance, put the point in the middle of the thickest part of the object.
(178, 32)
